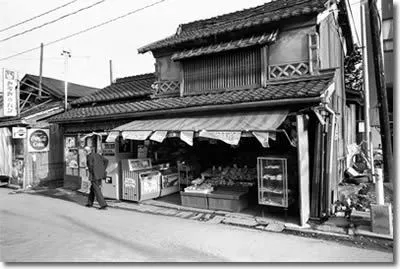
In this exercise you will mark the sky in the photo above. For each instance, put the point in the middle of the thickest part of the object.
(92, 51)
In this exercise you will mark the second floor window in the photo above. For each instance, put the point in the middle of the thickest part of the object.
(232, 70)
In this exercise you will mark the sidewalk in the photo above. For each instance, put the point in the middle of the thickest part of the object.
(337, 227)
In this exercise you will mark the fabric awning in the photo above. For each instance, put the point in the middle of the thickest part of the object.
(245, 121)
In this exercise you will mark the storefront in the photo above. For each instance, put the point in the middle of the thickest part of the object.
(225, 161)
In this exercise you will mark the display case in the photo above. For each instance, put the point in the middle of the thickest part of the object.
(272, 181)
(185, 174)
(139, 180)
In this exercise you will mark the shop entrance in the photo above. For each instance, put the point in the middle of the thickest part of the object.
(232, 173)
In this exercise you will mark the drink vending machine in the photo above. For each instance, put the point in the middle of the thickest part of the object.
(140, 181)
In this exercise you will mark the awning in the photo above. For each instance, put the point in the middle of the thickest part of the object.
(245, 121)
(216, 126)
(263, 39)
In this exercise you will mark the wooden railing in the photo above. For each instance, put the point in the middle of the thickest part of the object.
(166, 87)
(288, 70)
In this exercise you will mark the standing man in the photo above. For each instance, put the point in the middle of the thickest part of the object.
(97, 165)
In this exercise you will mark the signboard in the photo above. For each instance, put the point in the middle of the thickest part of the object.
(38, 140)
(18, 132)
(10, 96)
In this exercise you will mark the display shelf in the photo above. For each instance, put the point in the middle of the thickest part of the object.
(272, 181)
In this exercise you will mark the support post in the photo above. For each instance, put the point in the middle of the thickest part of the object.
(111, 73)
(40, 70)
(303, 168)
(66, 55)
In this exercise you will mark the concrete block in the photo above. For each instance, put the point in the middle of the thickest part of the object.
(216, 219)
(382, 219)
(239, 221)
(275, 227)
(184, 214)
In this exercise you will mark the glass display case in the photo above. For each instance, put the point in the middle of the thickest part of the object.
(272, 181)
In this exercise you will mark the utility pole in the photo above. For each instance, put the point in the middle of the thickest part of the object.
(381, 90)
(111, 72)
(67, 55)
(367, 106)
(40, 70)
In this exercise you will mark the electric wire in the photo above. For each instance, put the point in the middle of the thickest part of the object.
(53, 21)
(37, 16)
(85, 30)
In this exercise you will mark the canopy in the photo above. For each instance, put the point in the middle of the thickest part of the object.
(245, 121)
(224, 127)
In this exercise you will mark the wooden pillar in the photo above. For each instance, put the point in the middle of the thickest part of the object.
(304, 168)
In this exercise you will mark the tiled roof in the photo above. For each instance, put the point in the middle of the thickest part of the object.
(34, 114)
(269, 12)
(56, 86)
(123, 88)
(226, 46)
(306, 87)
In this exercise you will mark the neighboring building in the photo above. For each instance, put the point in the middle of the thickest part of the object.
(23, 164)
(268, 81)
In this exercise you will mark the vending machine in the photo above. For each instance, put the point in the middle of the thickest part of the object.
(115, 152)
(139, 180)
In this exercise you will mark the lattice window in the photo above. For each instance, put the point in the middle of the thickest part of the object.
(165, 87)
(288, 70)
(233, 70)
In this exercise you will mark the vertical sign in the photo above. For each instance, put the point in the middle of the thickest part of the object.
(10, 83)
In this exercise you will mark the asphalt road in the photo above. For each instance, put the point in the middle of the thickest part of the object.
(42, 229)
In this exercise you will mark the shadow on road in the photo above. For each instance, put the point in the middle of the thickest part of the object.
(153, 253)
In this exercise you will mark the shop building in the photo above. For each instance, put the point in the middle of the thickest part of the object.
(30, 147)
(245, 109)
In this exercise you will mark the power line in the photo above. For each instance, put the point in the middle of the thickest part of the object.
(35, 17)
(85, 30)
(53, 21)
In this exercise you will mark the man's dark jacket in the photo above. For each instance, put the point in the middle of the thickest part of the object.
(97, 165)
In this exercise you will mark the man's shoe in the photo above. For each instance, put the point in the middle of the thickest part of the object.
(89, 205)
(103, 207)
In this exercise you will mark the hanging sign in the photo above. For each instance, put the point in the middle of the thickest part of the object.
(38, 140)
(112, 136)
(263, 138)
(136, 135)
(187, 137)
(158, 136)
(231, 138)
(10, 102)
(18, 132)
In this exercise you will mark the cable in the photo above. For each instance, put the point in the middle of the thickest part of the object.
(35, 17)
(53, 21)
(85, 30)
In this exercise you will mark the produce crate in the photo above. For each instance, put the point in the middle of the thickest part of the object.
(197, 200)
(228, 200)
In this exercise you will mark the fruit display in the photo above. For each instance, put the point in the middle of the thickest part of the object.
(203, 188)
(230, 176)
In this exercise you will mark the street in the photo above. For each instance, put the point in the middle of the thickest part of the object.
(42, 229)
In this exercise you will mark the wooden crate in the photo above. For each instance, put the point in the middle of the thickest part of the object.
(197, 200)
(228, 200)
